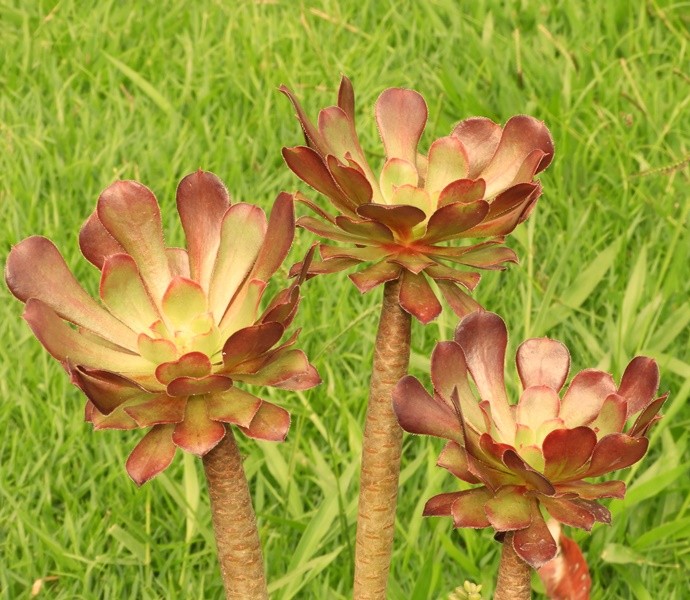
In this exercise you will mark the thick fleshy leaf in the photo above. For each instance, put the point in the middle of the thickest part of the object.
(250, 342)
(451, 220)
(611, 417)
(124, 293)
(509, 509)
(483, 338)
(365, 230)
(233, 406)
(526, 473)
(202, 200)
(35, 269)
(592, 491)
(118, 419)
(462, 190)
(361, 254)
(242, 235)
(409, 195)
(192, 364)
(184, 300)
(448, 162)
(280, 232)
(158, 409)
(417, 297)
(352, 182)
(346, 98)
(599, 512)
(647, 417)
(395, 173)
(459, 301)
(129, 211)
(399, 219)
(537, 404)
(329, 230)
(480, 137)
(197, 433)
(568, 512)
(376, 274)
(482, 256)
(566, 577)
(401, 117)
(468, 509)
(510, 209)
(338, 133)
(184, 386)
(152, 455)
(453, 458)
(543, 362)
(64, 343)
(639, 384)
(441, 505)
(467, 279)
(410, 260)
(566, 451)
(106, 390)
(535, 544)
(270, 423)
(585, 397)
(95, 241)
(616, 451)
(311, 133)
(420, 413)
(178, 259)
(243, 309)
(288, 370)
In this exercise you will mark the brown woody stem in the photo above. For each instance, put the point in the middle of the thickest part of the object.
(381, 451)
(513, 574)
(234, 523)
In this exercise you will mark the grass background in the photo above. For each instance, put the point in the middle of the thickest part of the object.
(95, 91)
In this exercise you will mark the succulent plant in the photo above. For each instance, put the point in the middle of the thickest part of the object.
(476, 183)
(177, 329)
(538, 453)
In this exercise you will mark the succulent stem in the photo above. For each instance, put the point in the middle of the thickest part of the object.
(234, 523)
(381, 451)
(513, 574)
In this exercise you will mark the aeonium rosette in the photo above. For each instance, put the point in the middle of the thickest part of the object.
(176, 328)
(477, 182)
(535, 454)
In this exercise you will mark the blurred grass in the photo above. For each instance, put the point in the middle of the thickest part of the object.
(94, 91)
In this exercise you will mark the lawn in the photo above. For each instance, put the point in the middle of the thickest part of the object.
(96, 91)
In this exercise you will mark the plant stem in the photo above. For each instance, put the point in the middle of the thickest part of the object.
(381, 451)
(234, 523)
(513, 574)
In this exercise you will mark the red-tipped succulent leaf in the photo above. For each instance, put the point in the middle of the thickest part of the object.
(534, 455)
(175, 329)
(477, 182)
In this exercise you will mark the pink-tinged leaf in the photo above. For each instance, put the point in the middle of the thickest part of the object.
(401, 117)
(157, 410)
(509, 509)
(449, 373)
(192, 364)
(399, 219)
(182, 387)
(616, 451)
(197, 433)
(280, 233)
(118, 419)
(537, 404)
(270, 423)
(409, 195)
(535, 544)
(647, 417)
(451, 220)
(458, 300)
(64, 343)
(106, 390)
(249, 343)
(178, 260)
(36, 269)
(156, 350)
(242, 235)
(599, 512)
(420, 413)
(311, 134)
(467, 279)
(360, 254)
(417, 297)
(520, 201)
(95, 241)
(376, 274)
(328, 230)
(468, 509)
(566, 577)
(611, 417)
(152, 455)
(233, 406)
(585, 397)
(448, 162)
(441, 505)
(319, 267)
(568, 512)
(524, 472)
(243, 309)
(592, 491)
(311, 168)
(129, 211)
(346, 98)
(462, 190)
(453, 458)
(566, 451)
(546, 428)
(483, 338)
(411, 260)
(356, 187)
(124, 293)
(396, 173)
(339, 135)
(202, 200)
(283, 307)
(543, 362)
(287, 369)
(639, 384)
(302, 199)
(521, 136)
(367, 231)
(488, 256)
(480, 137)
(183, 301)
